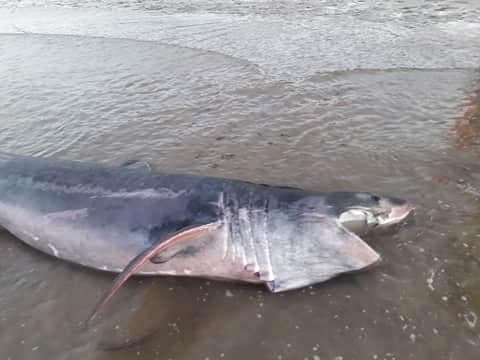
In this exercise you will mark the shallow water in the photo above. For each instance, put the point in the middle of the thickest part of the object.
(325, 96)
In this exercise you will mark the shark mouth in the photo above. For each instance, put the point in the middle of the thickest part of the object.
(396, 215)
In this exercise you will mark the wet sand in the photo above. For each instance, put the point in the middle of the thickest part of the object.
(359, 98)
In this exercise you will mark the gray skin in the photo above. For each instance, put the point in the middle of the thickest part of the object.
(102, 217)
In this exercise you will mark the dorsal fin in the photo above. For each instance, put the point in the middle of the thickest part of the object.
(137, 164)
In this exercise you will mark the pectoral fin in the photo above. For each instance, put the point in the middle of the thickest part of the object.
(153, 252)
(322, 250)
